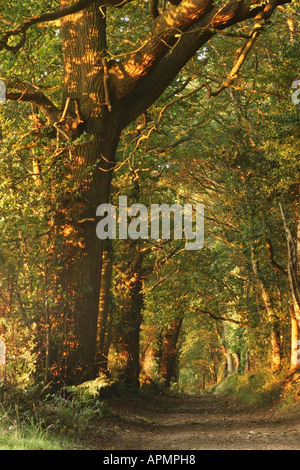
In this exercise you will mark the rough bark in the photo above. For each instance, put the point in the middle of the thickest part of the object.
(228, 353)
(169, 351)
(131, 302)
(293, 249)
(274, 337)
(295, 341)
(90, 166)
(104, 320)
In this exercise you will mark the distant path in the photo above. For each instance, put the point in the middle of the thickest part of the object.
(202, 422)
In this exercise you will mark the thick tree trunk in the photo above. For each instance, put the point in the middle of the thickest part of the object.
(295, 342)
(80, 276)
(228, 353)
(274, 336)
(131, 302)
(104, 320)
(88, 166)
(169, 351)
(131, 338)
(237, 362)
(294, 286)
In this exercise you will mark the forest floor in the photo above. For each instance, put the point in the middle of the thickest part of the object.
(192, 422)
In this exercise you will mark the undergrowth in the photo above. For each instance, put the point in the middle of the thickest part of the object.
(39, 420)
(262, 389)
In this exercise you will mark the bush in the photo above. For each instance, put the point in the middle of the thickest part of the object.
(260, 389)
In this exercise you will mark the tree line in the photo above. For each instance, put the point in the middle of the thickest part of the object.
(194, 106)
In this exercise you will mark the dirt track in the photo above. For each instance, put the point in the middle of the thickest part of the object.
(203, 422)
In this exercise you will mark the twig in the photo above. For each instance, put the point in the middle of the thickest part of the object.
(241, 54)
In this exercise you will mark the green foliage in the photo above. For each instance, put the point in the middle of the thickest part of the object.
(90, 389)
(28, 437)
(260, 389)
(70, 417)
(38, 420)
(237, 153)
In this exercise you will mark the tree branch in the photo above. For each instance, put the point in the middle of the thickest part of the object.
(34, 95)
(67, 122)
(212, 315)
(146, 75)
(242, 53)
(273, 263)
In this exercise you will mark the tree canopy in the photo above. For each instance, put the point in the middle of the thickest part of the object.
(191, 101)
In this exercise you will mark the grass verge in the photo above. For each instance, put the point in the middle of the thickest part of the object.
(38, 421)
(263, 389)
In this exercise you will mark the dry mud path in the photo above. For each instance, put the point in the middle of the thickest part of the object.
(202, 422)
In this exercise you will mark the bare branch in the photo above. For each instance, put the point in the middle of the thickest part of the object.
(241, 54)
(214, 316)
(191, 92)
(167, 50)
(272, 261)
